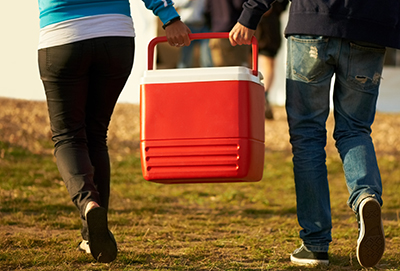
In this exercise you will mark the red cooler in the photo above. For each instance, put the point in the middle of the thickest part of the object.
(202, 125)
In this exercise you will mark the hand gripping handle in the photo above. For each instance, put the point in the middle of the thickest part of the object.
(199, 36)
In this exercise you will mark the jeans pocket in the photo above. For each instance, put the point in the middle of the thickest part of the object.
(64, 60)
(365, 66)
(306, 62)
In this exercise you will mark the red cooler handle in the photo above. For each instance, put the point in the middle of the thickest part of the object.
(199, 36)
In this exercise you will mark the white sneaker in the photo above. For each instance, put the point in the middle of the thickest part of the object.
(84, 246)
(371, 238)
(90, 206)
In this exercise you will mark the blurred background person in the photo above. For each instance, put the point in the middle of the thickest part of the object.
(269, 36)
(223, 15)
(192, 14)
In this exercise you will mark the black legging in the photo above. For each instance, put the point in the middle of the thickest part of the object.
(83, 81)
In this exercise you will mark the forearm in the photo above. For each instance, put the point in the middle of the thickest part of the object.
(252, 12)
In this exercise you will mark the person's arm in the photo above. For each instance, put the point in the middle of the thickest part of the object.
(247, 23)
(176, 31)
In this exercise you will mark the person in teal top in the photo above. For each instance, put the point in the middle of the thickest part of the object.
(52, 11)
(86, 52)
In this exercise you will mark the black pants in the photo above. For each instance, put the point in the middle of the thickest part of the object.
(83, 81)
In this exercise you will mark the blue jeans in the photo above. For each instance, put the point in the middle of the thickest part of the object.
(311, 63)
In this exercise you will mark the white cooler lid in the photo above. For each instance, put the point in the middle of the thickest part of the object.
(236, 73)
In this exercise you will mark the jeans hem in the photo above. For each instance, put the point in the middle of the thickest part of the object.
(360, 198)
(317, 248)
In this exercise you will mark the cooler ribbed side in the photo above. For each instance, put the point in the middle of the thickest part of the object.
(200, 160)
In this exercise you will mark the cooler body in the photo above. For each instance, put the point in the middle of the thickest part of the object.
(202, 125)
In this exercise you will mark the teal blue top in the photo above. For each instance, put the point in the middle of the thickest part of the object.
(55, 11)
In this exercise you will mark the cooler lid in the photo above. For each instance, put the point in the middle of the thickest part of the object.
(236, 73)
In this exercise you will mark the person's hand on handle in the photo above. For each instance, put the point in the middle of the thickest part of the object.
(177, 34)
(240, 35)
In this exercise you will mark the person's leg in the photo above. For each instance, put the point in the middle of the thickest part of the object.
(111, 68)
(109, 73)
(269, 36)
(308, 76)
(224, 54)
(186, 52)
(205, 52)
(355, 96)
(186, 56)
(64, 72)
(216, 52)
(267, 68)
(82, 82)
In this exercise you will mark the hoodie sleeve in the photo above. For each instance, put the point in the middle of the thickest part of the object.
(164, 9)
(252, 12)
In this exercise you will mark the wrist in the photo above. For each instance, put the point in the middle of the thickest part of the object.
(171, 21)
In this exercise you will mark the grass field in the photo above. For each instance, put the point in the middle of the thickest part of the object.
(242, 226)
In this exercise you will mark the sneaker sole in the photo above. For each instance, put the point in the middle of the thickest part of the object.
(371, 243)
(101, 241)
(308, 262)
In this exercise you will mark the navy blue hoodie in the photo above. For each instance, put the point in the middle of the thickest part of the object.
(375, 21)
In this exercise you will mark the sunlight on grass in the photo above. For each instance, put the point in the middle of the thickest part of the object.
(243, 226)
(238, 226)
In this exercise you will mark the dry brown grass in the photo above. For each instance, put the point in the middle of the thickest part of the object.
(193, 227)
(26, 124)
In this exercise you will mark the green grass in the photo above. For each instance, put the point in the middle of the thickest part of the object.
(241, 226)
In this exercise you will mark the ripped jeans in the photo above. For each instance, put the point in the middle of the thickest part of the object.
(311, 63)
